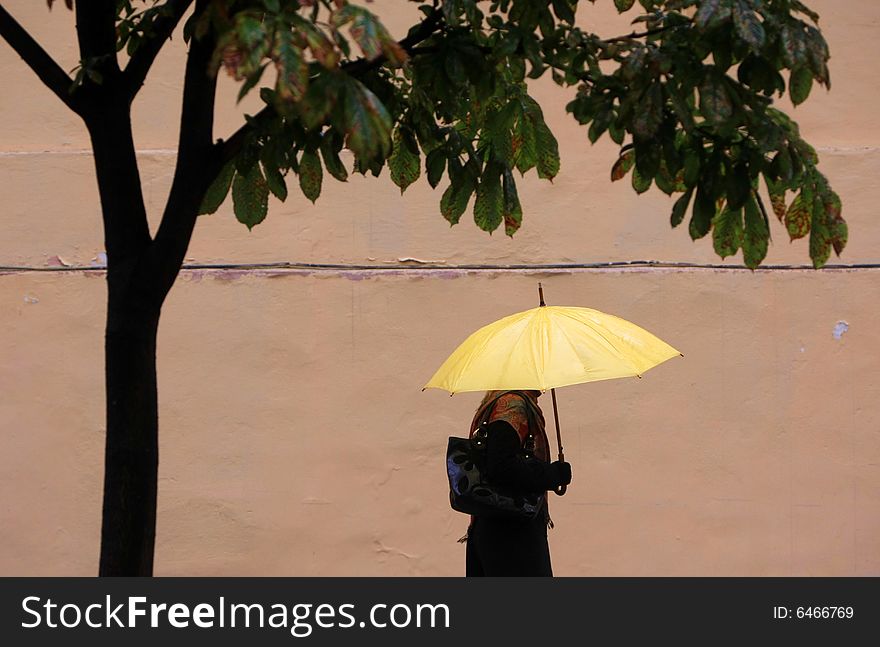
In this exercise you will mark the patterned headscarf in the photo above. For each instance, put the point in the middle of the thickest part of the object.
(514, 407)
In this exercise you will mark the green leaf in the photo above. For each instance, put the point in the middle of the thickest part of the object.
(820, 236)
(363, 31)
(330, 154)
(798, 216)
(599, 126)
(624, 5)
(497, 132)
(702, 215)
(680, 208)
(839, 232)
(322, 49)
(640, 183)
(546, 146)
(757, 235)
(648, 158)
(715, 103)
(250, 82)
(649, 113)
(739, 186)
(293, 69)
(217, 192)
(435, 164)
(817, 51)
(310, 175)
(524, 144)
(275, 181)
(623, 165)
(747, 25)
(727, 232)
(512, 209)
(489, 205)
(403, 164)
(455, 200)
(799, 85)
(250, 197)
(319, 100)
(664, 180)
(794, 50)
(548, 152)
(777, 198)
(691, 168)
(708, 10)
(367, 122)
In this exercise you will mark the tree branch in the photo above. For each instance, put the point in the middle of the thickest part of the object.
(196, 162)
(651, 32)
(45, 67)
(229, 148)
(96, 33)
(136, 71)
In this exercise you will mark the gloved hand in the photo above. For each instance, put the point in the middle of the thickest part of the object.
(561, 472)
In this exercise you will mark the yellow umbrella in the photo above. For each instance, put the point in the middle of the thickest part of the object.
(547, 347)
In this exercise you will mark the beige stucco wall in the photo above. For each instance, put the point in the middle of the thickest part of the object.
(294, 436)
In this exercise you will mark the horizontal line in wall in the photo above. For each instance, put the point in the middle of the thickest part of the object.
(80, 152)
(173, 151)
(435, 267)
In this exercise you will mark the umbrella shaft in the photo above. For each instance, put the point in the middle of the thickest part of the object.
(556, 420)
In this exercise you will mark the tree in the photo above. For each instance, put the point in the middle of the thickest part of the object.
(688, 97)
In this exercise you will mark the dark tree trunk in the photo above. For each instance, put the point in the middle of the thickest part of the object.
(140, 269)
(131, 458)
(134, 302)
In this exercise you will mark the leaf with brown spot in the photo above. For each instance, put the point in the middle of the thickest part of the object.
(839, 232)
(820, 235)
(727, 232)
(219, 189)
(799, 84)
(403, 164)
(623, 165)
(489, 205)
(455, 200)
(715, 103)
(679, 209)
(524, 143)
(640, 183)
(293, 70)
(367, 122)
(755, 236)
(250, 197)
(777, 197)
(311, 174)
(748, 26)
(319, 45)
(798, 217)
(512, 209)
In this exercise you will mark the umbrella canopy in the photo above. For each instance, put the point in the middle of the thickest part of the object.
(548, 347)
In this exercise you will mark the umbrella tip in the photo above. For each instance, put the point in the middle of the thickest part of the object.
(639, 376)
(682, 354)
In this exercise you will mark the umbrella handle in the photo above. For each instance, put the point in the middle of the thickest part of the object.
(561, 489)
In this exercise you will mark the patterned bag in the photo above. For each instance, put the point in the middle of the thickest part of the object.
(471, 492)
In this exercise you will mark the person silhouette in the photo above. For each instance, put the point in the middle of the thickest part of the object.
(517, 458)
